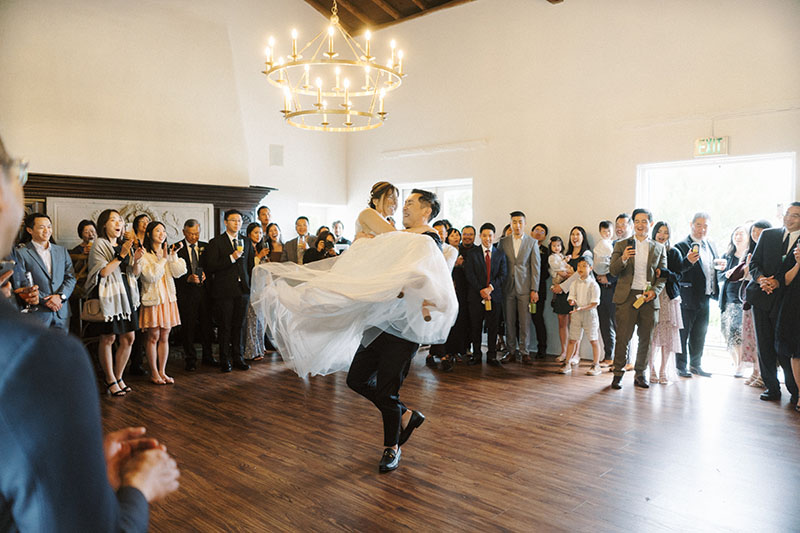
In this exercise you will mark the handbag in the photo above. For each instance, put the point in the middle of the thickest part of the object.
(91, 311)
(738, 272)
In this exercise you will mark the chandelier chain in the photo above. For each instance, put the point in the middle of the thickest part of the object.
(335, 8)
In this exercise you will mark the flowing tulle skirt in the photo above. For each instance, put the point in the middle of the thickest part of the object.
(318, 314)
(667, 334)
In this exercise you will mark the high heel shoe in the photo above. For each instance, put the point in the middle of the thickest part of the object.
(120, 392)
(126, 388)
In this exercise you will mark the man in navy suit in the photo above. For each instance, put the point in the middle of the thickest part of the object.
(764, 293)
(485, 286)
(226, 259)
(699, 284)
(51, 269)
(57, 473)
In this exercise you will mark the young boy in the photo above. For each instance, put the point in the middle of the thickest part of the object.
(584, 296)
(605, 311)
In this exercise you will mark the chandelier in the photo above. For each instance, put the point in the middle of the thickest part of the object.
(329, 92)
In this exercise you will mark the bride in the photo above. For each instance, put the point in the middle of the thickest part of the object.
(318, 314)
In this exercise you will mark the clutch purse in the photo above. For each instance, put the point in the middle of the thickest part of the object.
(91, 311)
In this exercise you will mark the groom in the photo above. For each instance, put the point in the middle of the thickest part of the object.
(378, 370)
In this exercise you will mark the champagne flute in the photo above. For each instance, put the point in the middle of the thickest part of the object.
(27, 283)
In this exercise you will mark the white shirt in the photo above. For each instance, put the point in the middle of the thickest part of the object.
(231, 239)
(517, 242)
(640, 265)
(792, 239)
(602, 256)
(483, 254)
(584, 291)
(707, 262)
(44, 252)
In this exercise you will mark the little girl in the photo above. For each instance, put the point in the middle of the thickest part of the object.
(559, 272)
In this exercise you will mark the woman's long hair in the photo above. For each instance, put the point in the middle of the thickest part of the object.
(657, 227)
(763, 224)
(269, 241)
(148, 236)
(379, 189)
(102, 220)
(584, 243)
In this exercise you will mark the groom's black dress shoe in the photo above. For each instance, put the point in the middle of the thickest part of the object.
(240, 364)
(390, 460)
(793, 400)
(414, 422)
(639, 381)
(616, 383)
(683, 373)
(769, 396)
(225, 366)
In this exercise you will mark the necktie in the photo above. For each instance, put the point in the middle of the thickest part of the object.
(488, 268)
(193, 259)
(786, 244)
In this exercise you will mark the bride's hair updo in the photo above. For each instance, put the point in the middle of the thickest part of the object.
(378, 190)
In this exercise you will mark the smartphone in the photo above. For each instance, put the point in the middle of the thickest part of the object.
(695, 248)
(172, 247)
(6, 266)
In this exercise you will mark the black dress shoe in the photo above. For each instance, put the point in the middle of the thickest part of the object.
(700, 372)
(541, 354)
(793, 400)
(683, 373)
(225, 366)
(474, 360)
(430, 361)
(210, 361)
(191, 366)
(414, 422)
(639, 381)
(768, 396)
(241, 365)
(493, 361)
(616, 383)
(447, 364)
(390, 460)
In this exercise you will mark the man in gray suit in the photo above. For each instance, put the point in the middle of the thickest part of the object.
(637, 263)
(51, 269)
(521, 286)
(293, 250)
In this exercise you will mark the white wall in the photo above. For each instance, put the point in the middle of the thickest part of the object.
(167, 90)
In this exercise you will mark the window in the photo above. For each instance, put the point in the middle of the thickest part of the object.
(454, 195)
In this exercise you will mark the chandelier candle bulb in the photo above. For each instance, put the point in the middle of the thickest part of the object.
(268, 53)
(367, 36)
(347, 96)
(306, 70)
(330, 41)
(294, 44)
(393, 45)
(366, 78)
(319, 91)
(383, 94)
(286, 97)
(324, 114)
(338, 71)
(400, 62)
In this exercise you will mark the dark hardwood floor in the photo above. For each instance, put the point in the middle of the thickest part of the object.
(503, 449)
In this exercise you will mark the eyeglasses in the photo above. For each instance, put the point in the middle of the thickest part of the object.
(18, 168)
(792, 215)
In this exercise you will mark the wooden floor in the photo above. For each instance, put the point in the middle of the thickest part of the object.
(510, 449)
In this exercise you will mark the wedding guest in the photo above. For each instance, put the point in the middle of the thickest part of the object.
(730, 303)
(58, 473)
(698, 286)
(274, 243)
(764, 293)
(114, 267)
(584, 296)
(159, 312)
(635, 262)
(254, 329)
(321, 229)
(521, 286)
(194, 302)
(323, 248)
(485, 271)
(338, 232)
(578, 247)
(454, 344)
(506, 231)
(559, 272)
(749, 345)
(462, 342)
(623, 227)
(667, 332)
(787, 336)
(295, 249)
(79, 255)
(539, 232)
(139, 226)
(264, 217)
(442, 227)
(51, 270)
(226, 260)
(605, 311)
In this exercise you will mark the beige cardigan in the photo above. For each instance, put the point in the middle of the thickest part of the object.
(153, 269)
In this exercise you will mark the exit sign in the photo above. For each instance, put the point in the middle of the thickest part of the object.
(711, 146)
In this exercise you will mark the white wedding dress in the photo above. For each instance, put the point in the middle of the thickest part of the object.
(318, 314)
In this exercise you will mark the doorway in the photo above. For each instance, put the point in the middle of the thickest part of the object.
(734, 191)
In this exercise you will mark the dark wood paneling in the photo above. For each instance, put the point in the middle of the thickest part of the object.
(245, 199)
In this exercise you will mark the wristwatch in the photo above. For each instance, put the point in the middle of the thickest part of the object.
(63, 298)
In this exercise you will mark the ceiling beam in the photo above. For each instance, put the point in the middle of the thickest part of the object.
(392, 12)
(319, 7)
(356, 13)
(452, 3)
(419, 4)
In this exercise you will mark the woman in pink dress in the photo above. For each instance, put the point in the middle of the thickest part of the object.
(159, 311)
(667, 333)
(749, 347)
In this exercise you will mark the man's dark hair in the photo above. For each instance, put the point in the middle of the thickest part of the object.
(231, 212)
(467, 226)
(584, 259)
(443, 222)
(337, 222)
(82, 225)
(624, 216)
(30, 220)
(794, 204)
(192, 222)
(258, 211)
(544, 227)
(604, 224)
(517, 214)
(640, 211)
(430, 199)
(301, 217)
(488, 225)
